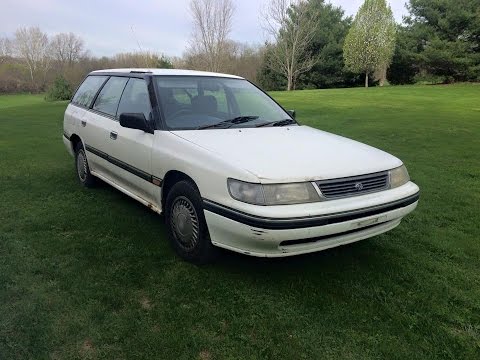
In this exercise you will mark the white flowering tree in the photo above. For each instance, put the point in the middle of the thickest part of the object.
(370, 43)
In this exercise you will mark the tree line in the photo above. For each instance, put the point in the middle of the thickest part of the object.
(31, 60)
(308, 44)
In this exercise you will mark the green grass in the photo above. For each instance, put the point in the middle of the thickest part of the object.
(89, 274)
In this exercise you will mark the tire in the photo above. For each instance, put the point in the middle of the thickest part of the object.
(83, 170)
(186, 225)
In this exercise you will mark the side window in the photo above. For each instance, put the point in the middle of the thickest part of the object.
(135, 99)
(108, 99)
(86, 92)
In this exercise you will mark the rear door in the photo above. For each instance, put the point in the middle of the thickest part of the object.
(84, 124)
(97, 123)
(131, 149)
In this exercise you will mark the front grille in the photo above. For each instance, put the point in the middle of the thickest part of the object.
(353, 186)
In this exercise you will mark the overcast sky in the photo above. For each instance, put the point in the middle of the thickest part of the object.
(159, 25)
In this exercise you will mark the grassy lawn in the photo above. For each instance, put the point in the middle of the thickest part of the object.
(89, 274)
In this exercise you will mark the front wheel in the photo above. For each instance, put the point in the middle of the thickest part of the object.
(187, 228)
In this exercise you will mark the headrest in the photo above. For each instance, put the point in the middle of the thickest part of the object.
(205, 104)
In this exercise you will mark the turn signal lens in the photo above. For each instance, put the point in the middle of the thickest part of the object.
(246, 192)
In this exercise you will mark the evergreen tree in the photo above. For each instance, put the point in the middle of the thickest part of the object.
(327, 47)
(446, 35)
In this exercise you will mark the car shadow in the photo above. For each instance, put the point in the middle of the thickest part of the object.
(352, 260)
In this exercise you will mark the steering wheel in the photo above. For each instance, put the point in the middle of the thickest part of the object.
(180, 112)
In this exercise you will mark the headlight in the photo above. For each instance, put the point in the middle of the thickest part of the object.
(399, 177)
(276, 194)
(288, 194)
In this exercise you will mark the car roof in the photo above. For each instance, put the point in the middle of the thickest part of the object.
(163, 72)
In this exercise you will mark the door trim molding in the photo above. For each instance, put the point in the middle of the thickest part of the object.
(127, 167)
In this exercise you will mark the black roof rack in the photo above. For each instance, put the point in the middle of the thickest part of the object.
(140, 72)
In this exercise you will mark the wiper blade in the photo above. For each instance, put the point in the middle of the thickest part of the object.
(230, 122)
(279, 123)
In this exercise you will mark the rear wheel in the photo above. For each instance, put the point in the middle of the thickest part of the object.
(187, 228)
(81, 165)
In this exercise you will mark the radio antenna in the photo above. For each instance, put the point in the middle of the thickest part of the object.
(135, 38)
(139, 46)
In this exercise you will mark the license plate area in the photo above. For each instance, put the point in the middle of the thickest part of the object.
(371, 222)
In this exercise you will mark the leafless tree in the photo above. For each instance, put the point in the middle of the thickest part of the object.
(5, 49)
(67, 48)
(290, 29)
(212, 23)
(32, 45)
(240, 59)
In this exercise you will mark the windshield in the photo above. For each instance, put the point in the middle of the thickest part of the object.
(198, 102)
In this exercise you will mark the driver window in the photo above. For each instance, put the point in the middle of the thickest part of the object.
(135, 99)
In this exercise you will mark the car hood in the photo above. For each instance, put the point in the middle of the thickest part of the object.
(294, 153)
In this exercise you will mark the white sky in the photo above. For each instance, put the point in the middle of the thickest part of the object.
(159, 25)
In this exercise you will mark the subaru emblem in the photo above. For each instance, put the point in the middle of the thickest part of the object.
(359, 186)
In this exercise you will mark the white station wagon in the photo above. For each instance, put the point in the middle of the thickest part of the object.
(228, 166)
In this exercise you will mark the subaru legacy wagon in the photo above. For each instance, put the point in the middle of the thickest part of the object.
(228, 166)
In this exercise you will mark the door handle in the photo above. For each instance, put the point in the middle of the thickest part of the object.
(113, 135)
(84, 123)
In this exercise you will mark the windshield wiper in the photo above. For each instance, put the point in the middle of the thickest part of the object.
(230, 122)
(279, 123)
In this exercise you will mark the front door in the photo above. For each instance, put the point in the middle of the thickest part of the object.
(131, 150)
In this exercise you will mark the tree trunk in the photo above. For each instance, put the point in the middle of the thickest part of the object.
(289, 83)
(366, 80)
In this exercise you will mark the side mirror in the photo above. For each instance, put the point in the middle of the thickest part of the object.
(292, 113)
(135, 121)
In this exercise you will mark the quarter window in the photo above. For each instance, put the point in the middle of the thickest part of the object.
(135, 99)
(86, 92)
(108, 99)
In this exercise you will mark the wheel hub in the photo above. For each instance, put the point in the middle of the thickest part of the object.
(184, 223)
(82, 166)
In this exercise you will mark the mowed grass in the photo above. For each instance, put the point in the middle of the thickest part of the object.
(88, 274)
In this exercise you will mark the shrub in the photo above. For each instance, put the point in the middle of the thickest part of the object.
(424, 78)
(59, 90)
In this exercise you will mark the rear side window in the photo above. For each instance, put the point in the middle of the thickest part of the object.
(135, 99)
(86, 92)
(108, 99)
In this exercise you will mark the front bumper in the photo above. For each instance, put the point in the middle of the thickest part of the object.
(279, 237)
